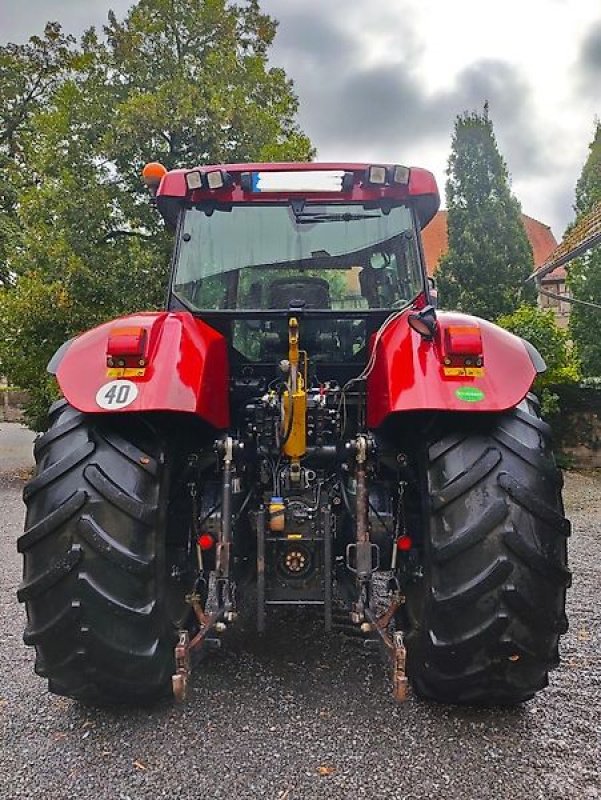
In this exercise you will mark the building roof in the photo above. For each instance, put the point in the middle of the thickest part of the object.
(541, 239)
(436, 242)
(579, 239)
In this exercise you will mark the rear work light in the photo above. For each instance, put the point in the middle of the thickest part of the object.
(376, 175)
(213, 180)
(400, 175)
(218, 179)
(194, 180)
(379, 175)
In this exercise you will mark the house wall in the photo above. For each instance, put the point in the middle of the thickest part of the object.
(577, 428)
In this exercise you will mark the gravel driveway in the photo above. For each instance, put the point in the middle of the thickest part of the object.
(305, 716)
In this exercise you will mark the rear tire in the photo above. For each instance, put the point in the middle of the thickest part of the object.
(487, 616)
(94, 579)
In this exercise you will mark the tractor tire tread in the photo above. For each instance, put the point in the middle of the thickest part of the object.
(48, 524)
(44, 441)
(473, 533)
(534, 504)
(489, 631)
(485, 621)
(57, 570)
(55, 625)
(57, 470)
(95, 535)
(134, 454)
(467, 479)
(125, 501)
(93, 565)
(535, 616)
(476, 587)
(99, 596)
(537, 561)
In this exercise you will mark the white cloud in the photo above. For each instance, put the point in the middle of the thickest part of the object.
(536, 62)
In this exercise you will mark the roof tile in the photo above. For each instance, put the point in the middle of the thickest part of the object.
(436, 242)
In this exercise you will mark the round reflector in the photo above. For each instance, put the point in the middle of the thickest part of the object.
(205, 541)
(404, 543)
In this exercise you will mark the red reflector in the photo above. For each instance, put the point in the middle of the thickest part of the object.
(404, 543)
(126, 342)
(205, 541)
(463, 340)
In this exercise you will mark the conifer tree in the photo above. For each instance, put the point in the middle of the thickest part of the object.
(584, 274)
(489, 254)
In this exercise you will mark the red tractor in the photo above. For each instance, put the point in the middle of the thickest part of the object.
(299, 428)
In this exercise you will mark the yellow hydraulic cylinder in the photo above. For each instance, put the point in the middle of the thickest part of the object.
(296, 444)
(295, 399)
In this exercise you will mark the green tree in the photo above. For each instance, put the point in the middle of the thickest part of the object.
(198, 88)
(489, 254)
(584, 274)
(186, 82)
(540, 329)
(29, 74)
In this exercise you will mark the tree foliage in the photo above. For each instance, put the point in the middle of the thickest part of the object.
(29, 74)
(584, 274)
(540, 329)
(489, 254)
(186, 82)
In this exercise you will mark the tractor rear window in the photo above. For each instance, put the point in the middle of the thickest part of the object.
(265, 256)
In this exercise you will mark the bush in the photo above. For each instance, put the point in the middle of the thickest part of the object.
(35, 319)
(540, 329)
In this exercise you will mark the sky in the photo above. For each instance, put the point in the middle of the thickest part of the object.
(383, 81)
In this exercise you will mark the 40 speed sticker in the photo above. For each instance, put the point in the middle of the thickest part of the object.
(116, 394)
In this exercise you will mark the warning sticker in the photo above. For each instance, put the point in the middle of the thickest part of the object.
(125, 372)
(463, 372)
(469, 394)
(116, 395)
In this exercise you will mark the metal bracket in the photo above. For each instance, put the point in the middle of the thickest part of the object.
(179, 681)
(368, 563)
(394, 644)
(261, 571)
(400, 684)
(186, 647)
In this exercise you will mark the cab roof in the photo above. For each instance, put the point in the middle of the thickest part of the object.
(242, 184)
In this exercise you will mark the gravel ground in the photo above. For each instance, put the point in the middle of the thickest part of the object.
(15, 447)
(303, 716)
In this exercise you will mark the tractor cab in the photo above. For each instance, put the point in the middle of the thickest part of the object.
(336, 244)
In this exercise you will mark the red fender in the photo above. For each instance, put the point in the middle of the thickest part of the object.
(409, 372)
(179, 364)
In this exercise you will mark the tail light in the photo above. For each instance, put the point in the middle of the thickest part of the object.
(462, 346)
(126, 347)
